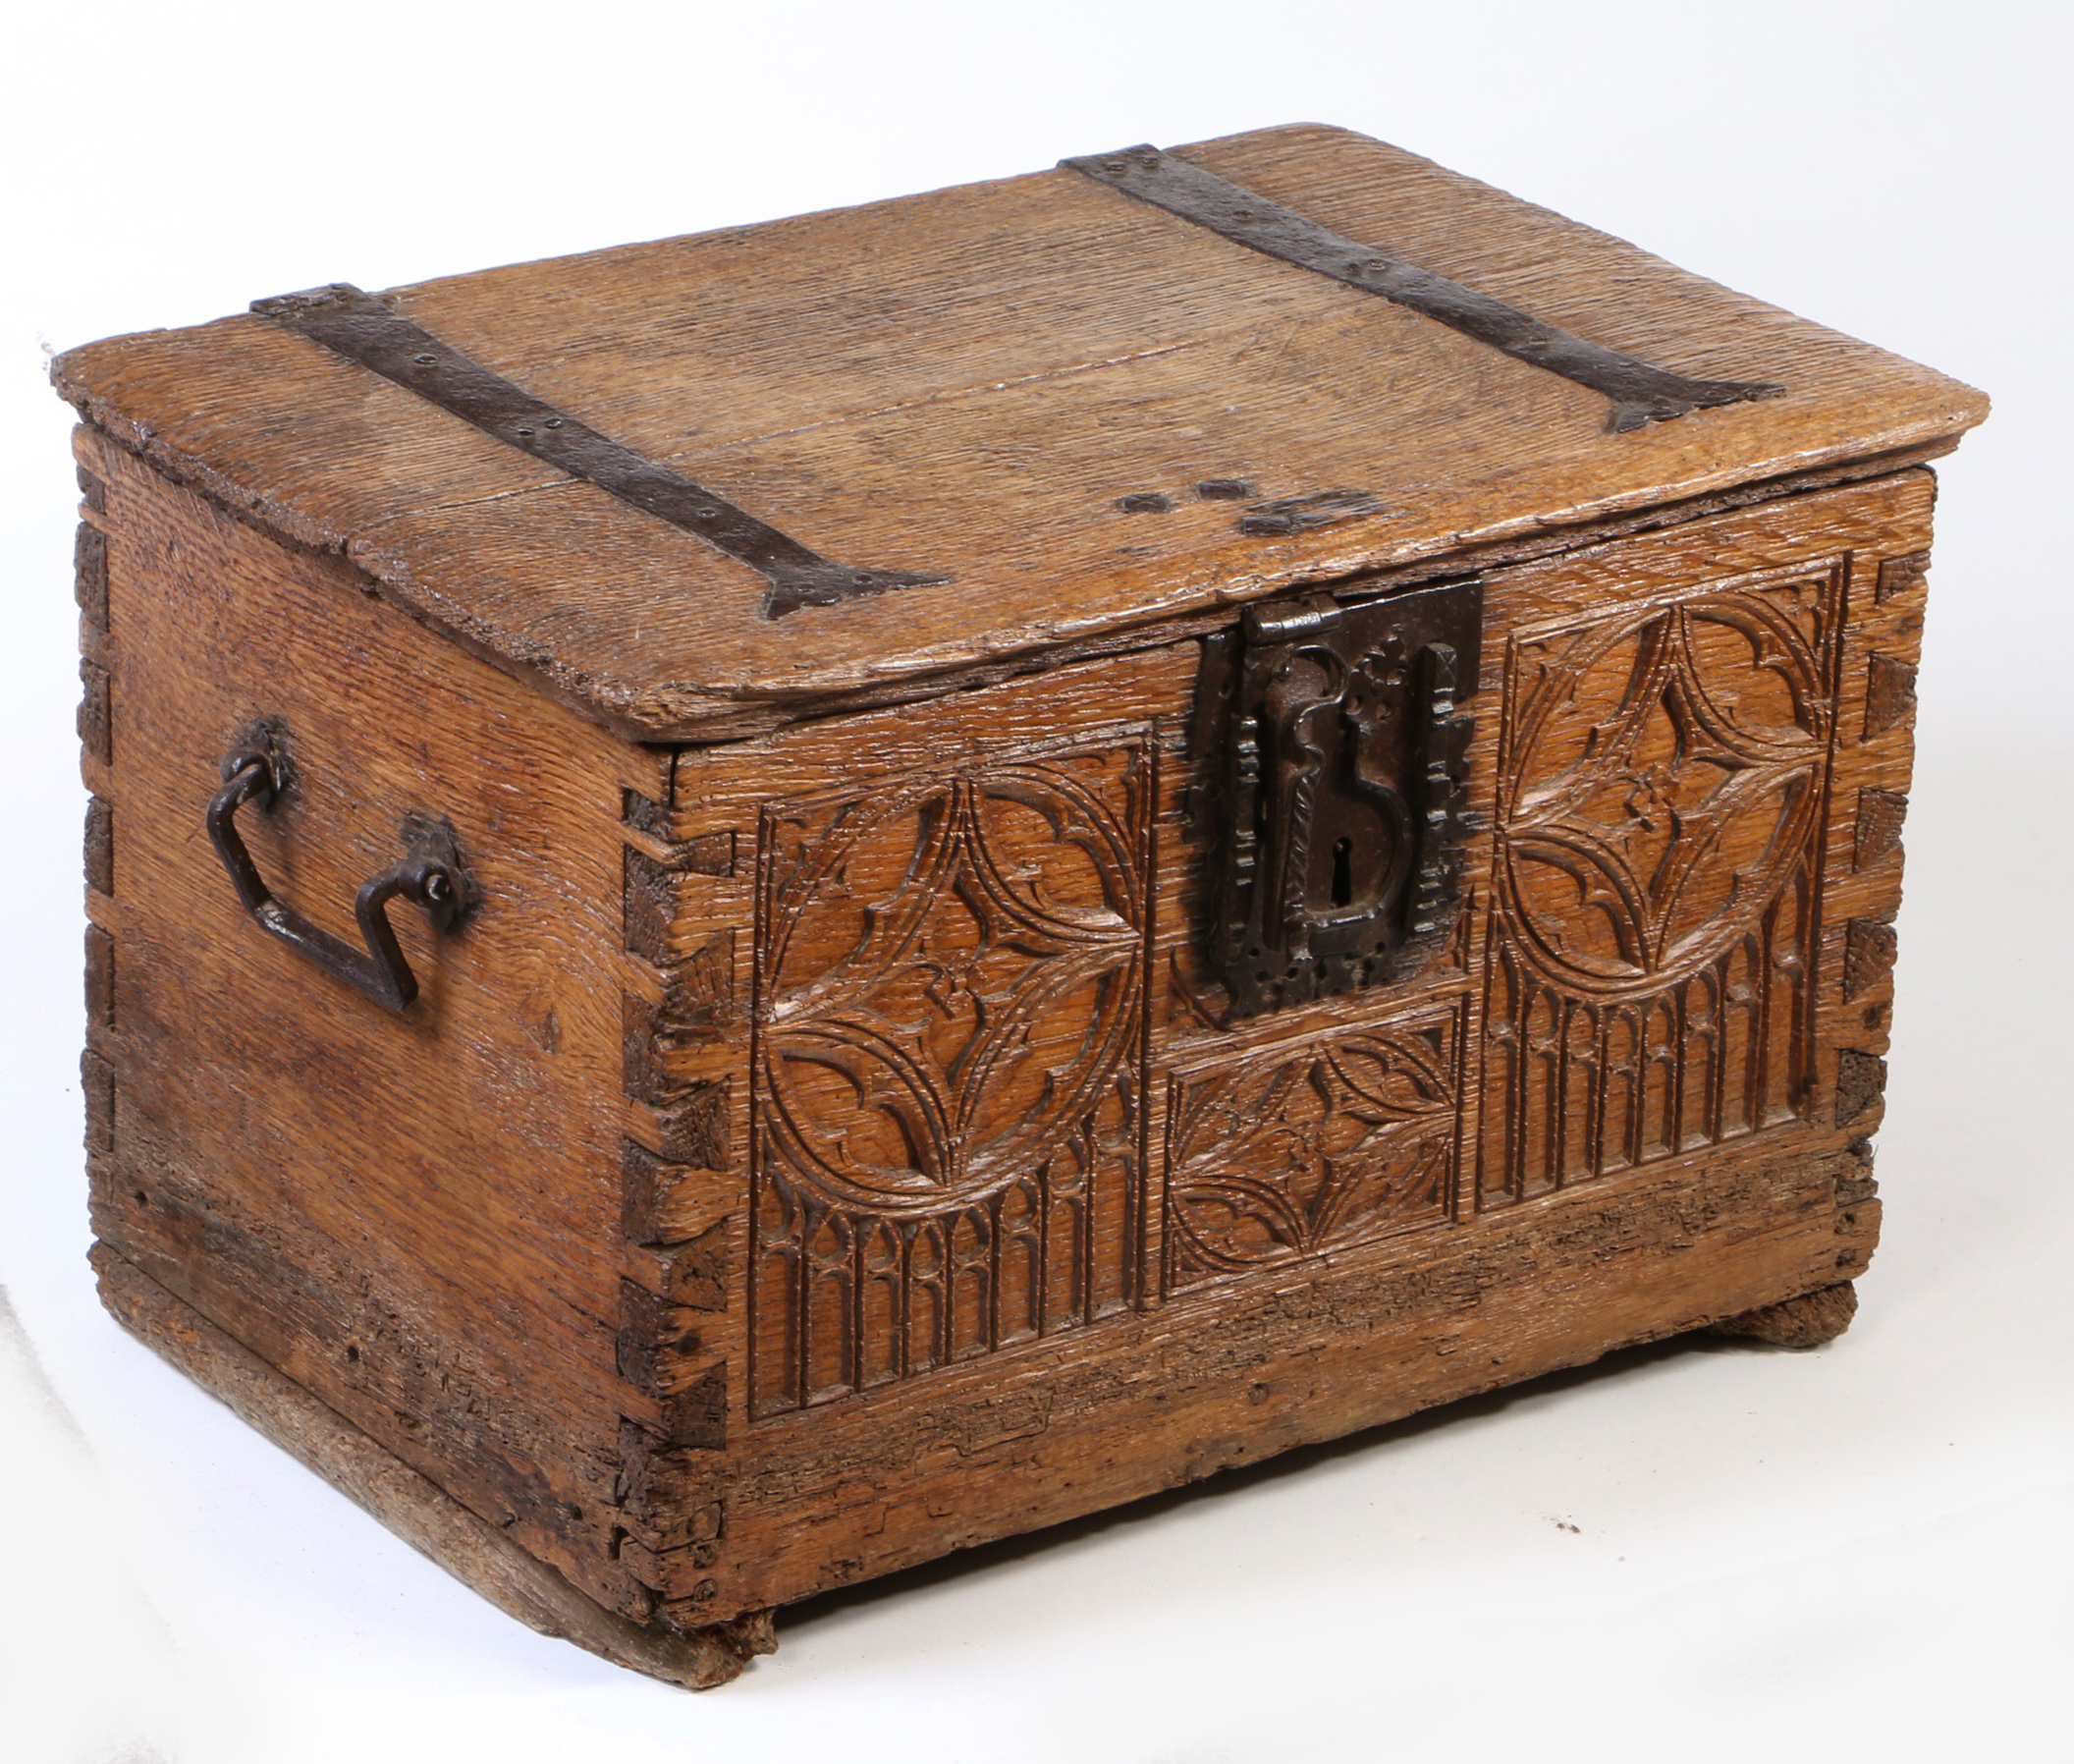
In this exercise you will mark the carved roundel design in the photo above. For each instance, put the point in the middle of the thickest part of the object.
(1663, 780)
(954, 975)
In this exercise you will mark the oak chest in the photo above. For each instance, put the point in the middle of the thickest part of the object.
(771, 903)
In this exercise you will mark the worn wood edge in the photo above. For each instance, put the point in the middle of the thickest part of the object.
(244, 510)
(1219, 584)
(1555, 538)
(746, 722)
(469, 1548)
(1807, 1321)
(278, 520)
(1399, 1327)
(685, 713)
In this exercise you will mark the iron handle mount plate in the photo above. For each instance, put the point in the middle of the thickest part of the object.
(430, 872)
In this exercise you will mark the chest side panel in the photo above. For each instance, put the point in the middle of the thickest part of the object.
(410, 1213)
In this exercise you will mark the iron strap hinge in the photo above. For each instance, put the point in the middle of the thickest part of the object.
(367, 330)
(1640, 393)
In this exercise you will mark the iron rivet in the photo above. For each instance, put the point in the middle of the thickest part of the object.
(553, 422)
(526, 431)
(425, 361)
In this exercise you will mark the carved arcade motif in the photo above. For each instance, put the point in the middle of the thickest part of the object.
(1338, 1140)
(950, 985)
(1663, 783)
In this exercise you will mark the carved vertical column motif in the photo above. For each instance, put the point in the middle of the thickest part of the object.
(952, 975)
(1662, 793)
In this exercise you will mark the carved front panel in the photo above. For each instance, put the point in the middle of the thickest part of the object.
(1290, 1150)
(950, 993)
(1661, 791)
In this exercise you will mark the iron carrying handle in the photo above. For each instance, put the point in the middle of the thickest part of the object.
(430, 873)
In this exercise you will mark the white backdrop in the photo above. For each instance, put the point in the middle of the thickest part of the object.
(1694, 1553)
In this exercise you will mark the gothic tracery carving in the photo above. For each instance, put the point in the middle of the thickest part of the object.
(1340, 1139)
(950, 985)
(1662, 792)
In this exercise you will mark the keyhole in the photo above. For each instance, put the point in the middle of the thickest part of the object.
(1343, 873)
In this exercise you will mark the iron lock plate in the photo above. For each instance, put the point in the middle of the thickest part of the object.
(1333, 783)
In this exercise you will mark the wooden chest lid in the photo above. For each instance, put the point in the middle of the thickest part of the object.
(998, 423)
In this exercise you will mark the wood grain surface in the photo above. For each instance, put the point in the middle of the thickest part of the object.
(828, 1140)
(414, 1215)
(1019, 384)
(416, 1509)
(829, 1149)
(993, 1254)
